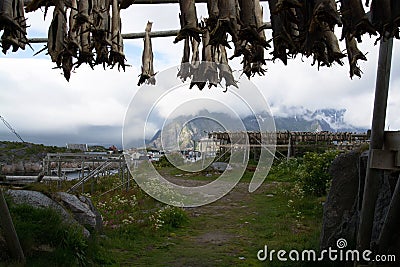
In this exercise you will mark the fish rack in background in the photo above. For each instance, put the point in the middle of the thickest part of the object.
(97, 165)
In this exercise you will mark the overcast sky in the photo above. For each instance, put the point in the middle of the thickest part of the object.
(44, 108)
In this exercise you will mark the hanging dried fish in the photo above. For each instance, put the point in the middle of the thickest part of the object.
(57, 40)
(353, 55)
(14, 31)
(247, 63)
(258, 60)
(184, 71)
(355, 21)
(227, 23)
(7, 15)
(326, 11)
(73, 42)
(225, 71)
(197, 68)
(85, 13)
(82, 26)
(395, 7)
(126, 3)
(117, 48)
(213, 13)
(188, 19)
(36, 4)
(332, 46)
(248, 23)
(282, 39)
(381, 16)
(101, 31)
(57, 35)
(316, 32)
(147, 59)
(287, 4)
(210, 70)
(85, 53)
(195, 60)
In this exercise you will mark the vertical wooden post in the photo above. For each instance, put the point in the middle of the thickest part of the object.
(48, 165)
(59, 167)
(119, 171)
(371, 187)
(9, 232)
(83, 174)
(123, 172)
(128, 177)
(289, 147)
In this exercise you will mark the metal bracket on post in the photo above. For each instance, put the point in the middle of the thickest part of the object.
(387, 158)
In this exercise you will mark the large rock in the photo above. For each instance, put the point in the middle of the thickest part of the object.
(39, 200)
(99, 218)
(344, 201)
(83, 211)
(340, 209)
(71, 209)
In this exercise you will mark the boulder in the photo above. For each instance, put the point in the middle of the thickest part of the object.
(40, 200)
(340, 216)
(83, 211)
(344, 201)
(99, 218)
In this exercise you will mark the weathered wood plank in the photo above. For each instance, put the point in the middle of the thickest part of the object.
(137, 35)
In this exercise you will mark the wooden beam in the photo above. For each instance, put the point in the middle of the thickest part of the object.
(137, 35)
(150, 2)
(374, 176)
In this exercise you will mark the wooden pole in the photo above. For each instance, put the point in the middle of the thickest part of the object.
(289, 147)
(149, 2)
(373, 176)
(9, 232)
(137, 35)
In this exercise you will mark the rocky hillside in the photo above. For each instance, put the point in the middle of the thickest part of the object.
(24, 158)
(17, 151)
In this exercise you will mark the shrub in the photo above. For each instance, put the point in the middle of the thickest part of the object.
(163, 162)
(284, 170)
(169, 217)
(313, 172)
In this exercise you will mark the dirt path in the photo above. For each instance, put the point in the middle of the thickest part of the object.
(218, 230)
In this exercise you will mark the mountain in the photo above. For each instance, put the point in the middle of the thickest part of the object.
(300, 119)
(292, 119)
(189, 130)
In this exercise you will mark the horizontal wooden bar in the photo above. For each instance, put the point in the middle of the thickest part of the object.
(150, 2)
(137, 35)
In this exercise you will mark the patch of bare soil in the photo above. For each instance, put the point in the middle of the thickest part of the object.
(222, 223)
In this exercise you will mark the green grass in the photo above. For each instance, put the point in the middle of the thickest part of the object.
(45, 238)
(265, 219)
(228, 232)
(277, 216)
